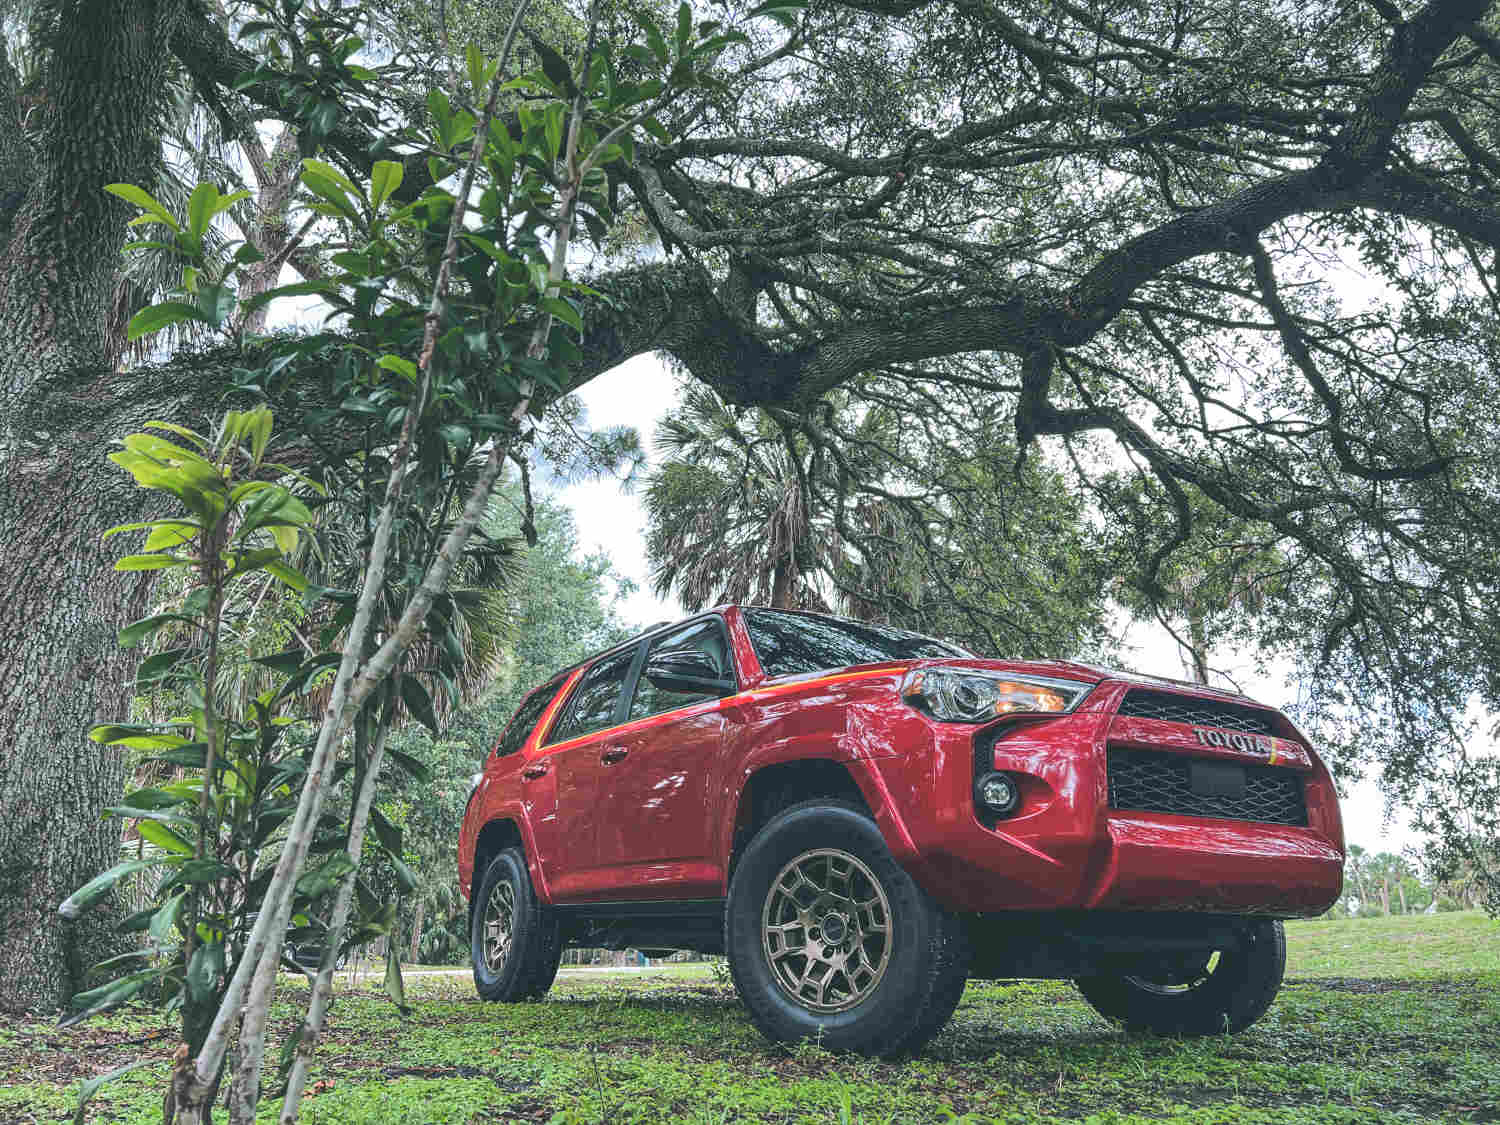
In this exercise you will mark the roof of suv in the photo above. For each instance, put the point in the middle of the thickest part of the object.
(719, 609)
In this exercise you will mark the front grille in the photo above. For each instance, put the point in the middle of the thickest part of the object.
(1199, 712)
(1150, 781)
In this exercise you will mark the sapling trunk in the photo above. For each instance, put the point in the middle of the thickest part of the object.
(255, 978)
(322, 989)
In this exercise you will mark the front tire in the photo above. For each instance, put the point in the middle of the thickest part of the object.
(1213, 994)
(515, 942)
(829, 939)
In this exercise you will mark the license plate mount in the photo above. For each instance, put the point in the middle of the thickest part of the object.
(1217, 779)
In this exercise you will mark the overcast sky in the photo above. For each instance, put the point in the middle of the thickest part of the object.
(641, 390)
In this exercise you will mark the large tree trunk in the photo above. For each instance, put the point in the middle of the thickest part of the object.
(103, 71)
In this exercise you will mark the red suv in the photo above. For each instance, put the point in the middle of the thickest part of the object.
(862, 818)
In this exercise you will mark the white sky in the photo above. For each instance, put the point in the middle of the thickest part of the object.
(641, 390)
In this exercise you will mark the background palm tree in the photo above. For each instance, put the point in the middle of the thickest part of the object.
(858, 509)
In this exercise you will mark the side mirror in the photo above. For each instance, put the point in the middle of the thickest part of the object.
(688, 671)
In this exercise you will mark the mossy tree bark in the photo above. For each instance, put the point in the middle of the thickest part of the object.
(94, 111)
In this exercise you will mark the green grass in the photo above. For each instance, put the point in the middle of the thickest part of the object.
(1383, 1020)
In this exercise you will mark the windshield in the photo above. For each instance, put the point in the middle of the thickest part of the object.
(789, 643)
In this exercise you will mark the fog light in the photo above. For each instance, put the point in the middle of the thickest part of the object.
(997, 793)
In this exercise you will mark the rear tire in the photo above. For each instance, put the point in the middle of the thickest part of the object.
(515, 942)
(1211, 998)
(829, 939)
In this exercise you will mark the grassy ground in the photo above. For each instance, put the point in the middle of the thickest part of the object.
(1382, 1020)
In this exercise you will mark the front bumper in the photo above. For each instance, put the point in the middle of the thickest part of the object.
(1067, 849)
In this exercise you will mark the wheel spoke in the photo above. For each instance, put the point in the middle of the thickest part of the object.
(850, 914)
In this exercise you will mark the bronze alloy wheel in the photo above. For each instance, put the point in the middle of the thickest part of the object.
(826, 930)
(499, 925)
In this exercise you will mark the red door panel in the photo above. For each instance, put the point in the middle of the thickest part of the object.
(654, 826)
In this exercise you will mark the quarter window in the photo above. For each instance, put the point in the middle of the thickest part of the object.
(598, 695)
(532, 708)
(690, 665)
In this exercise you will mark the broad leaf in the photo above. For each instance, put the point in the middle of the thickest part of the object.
(384, 180)
(154, 318)
(395, 988)
(136, 632)
(323, 878)
(145, 201)
(100, 885)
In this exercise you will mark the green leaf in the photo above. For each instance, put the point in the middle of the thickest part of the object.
(288, 575)
(156, 317)
(394, 986)
(400, 365)
(164, 922)
(193, 436)
(171, 533)
(684, 25)
(202, 206)
(554, 127)
(145, 201)
(563, 312)
(654, 39)
(418, 770)
(406, 878)
(154, 832)
(196, 872)
(108, 996)
(474, 61)
(100, 885)
(151, 799)
(784, 12)
(136, 632)
(216, 302)
(418, 703)
(384, 180)
(158, 665)
(387, 833)
(91, 1086)
(203, 972)
(149, 562)
(283, 662)
(323, 878)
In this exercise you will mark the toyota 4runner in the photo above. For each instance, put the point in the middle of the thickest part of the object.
(862, 818)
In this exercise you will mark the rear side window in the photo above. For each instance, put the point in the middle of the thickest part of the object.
(596, 698)
(789, 643)
(532, 708)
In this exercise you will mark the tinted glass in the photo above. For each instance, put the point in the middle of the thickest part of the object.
(593, 704)
(788, 643)
(702, 636)
(532, 708)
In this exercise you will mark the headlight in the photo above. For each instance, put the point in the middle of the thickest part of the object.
(963, 695)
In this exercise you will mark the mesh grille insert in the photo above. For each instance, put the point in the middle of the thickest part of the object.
(1200, 712)
(1154, 782)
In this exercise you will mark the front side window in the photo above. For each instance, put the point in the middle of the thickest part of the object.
(683, 667)
(792, 643)
(532, 708)
(598, 694)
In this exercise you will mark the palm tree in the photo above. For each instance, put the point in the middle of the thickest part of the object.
(730, 514)
(928, 524)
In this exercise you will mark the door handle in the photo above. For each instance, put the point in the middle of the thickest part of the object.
(532, 772)
(614, 754)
